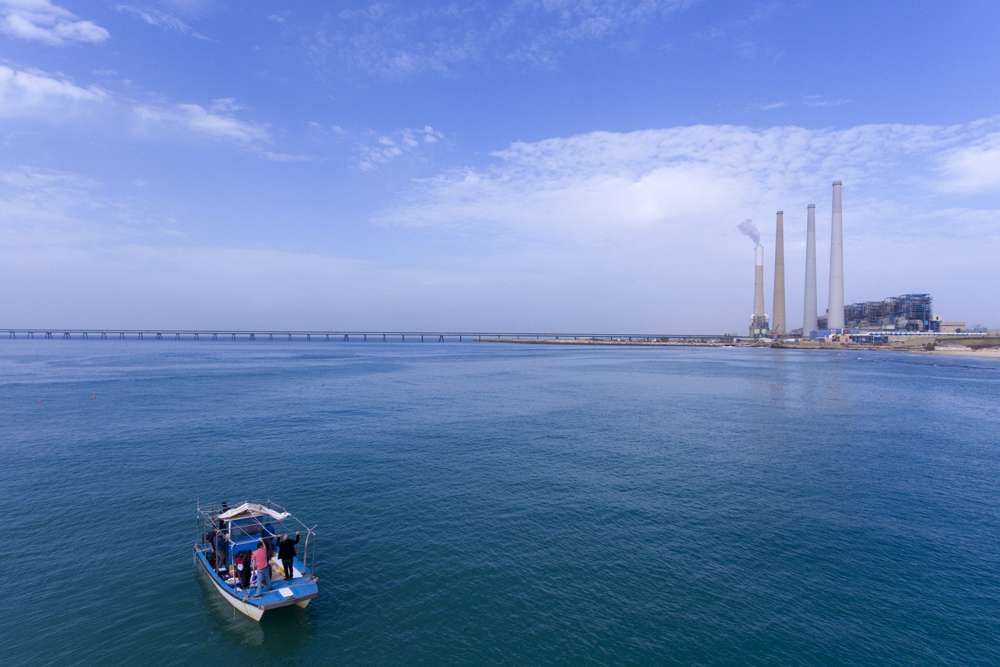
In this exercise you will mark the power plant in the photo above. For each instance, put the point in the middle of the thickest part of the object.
(758, 321)
(809, 319)
(778, 311)
(834, 320)
(835, 311)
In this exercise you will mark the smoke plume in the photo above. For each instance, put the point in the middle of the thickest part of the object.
(750, 229)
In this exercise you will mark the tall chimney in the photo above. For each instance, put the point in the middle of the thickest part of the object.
(778, 306)
(835, 314)
(809, 323)
(758, 322)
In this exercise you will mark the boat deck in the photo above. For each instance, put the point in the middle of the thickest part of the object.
(301, 588)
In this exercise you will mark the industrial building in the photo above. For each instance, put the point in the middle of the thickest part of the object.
(906, 312)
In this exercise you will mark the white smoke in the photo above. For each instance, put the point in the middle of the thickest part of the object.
(750, 229)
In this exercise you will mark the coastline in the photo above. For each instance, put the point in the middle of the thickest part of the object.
(987, 353)
(990, 353)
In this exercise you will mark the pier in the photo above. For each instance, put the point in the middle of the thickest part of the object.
(252, 335)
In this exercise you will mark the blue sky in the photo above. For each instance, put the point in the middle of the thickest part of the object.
(533, 165)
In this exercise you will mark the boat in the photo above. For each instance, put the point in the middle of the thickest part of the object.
(237, 530)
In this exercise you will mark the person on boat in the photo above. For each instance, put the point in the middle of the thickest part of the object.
(261, 566)
(210, 541)
(245, 570)
(221, 548)
(286, 553)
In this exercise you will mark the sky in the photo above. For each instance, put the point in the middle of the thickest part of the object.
(537, 165)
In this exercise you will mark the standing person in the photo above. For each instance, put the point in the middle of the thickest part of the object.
(210, 541)
(243, 569)
(260, 565)
(221, 549)
(286, 553)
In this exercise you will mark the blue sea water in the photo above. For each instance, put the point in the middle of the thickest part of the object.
(512, 504)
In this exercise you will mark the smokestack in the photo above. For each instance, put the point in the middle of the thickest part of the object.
(758, 282)
(835, 313)
(809, 322)
(778, 306)
(758, 322)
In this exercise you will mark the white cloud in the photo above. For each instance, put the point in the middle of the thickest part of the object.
(681, 179)
(973, 169)
(43, 21)
(824, 101)
(404, 39)
(385, 148)
(216, 121)
(32, 93)
(160, 19)
(771, 106)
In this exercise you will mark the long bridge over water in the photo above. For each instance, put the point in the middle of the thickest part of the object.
(345, 336)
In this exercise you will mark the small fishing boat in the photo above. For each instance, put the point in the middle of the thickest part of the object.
(228, 535)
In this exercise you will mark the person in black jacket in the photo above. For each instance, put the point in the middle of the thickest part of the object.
(243, 569)
(286, 553)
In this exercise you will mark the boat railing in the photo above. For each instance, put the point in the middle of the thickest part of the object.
(208, 521)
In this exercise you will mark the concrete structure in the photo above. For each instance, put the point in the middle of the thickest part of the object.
(907, 312)
(758, 321)
(835, 310)
(951, 327)
(809, 319)
(778, 305)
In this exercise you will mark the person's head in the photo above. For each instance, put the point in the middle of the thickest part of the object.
(284, 536)
(260, 544)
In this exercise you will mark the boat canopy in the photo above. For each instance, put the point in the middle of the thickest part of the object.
(252, 510)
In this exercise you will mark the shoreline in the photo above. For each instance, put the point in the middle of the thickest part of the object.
(990, 353)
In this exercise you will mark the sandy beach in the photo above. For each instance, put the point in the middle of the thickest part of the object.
(990, 353)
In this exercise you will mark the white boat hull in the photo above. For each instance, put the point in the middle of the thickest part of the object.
(253, 611)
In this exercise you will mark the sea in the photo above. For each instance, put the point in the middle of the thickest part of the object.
(485, 504)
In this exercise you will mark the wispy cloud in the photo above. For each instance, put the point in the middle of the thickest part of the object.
(399, 40)
(157, 17)
(48, 23)
(973, 169)
(387, 147)
(680, 179)
(824, 101)
(37, 94)
(33, 95)
(771, 106)
(217, 121)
